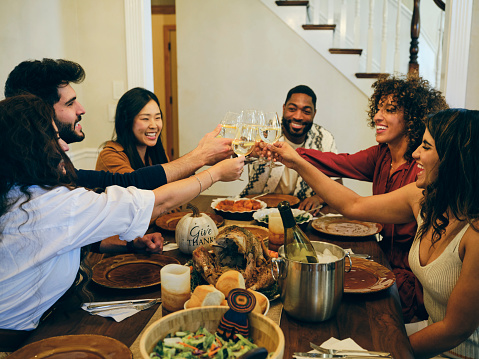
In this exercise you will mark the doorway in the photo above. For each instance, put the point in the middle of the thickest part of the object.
(171, 92)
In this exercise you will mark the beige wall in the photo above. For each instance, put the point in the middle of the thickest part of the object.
(236, 54)
(89, 32)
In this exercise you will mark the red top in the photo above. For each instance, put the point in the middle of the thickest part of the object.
(373, 165)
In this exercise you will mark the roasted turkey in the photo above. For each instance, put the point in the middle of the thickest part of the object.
(235, 248)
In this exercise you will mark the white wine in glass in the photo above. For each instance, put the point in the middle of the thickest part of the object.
(229, 125)
(242, 148)
(245, 140)
(269, 132)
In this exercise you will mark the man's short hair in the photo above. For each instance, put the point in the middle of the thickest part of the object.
(302, 89)
(42, 78)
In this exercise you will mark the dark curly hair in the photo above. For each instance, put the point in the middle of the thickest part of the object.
(42, 78)
(130, 105)
(29, 147)
(416, 96)
(455, 190)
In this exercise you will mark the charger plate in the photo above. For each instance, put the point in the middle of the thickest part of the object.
(86, 346)
(342, 226)
(367, 277)
(130, 271)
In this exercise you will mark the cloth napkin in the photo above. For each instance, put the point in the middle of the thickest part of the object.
(345, 344)
(170, 247)
(118, 314)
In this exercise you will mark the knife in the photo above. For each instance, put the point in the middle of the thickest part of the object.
(119, 303)
(320, 355)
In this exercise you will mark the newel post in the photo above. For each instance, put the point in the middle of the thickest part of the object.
(414, 48)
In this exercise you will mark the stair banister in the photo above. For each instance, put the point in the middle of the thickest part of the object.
(414, 48)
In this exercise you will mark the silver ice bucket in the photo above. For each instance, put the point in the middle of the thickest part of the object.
(311, 292)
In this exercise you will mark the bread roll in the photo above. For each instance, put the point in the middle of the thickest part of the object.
(205, 295)
(261, 302)
(230, 280)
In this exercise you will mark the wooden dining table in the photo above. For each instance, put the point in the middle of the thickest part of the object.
(372, 320)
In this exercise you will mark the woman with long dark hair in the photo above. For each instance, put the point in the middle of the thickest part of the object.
(138, 125)
(45, 219)
(445, 203)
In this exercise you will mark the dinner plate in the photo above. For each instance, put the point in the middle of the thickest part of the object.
(87, 346)
(342, 226)
(129, 271)
(273, 199)
(367, 277)
(170, 220)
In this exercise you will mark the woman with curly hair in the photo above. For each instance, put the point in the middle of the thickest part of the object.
(45, 219)
(397, 109)
(445, 203)
(138, 125)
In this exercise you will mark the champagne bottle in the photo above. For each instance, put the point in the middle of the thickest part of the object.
(297, 246)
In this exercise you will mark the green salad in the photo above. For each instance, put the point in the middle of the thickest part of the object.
(200, 344)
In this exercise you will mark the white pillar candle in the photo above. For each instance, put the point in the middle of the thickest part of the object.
(175, 286)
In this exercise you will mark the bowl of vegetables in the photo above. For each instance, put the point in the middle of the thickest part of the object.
(300, 216)
(193, 330)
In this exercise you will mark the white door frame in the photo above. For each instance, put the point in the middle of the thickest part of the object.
(139, 47)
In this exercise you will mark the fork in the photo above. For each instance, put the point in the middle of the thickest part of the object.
(134, 306)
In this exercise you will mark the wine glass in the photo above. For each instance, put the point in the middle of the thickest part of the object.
(245, 139)
(252, 118)
(228, 125)
(269, 132)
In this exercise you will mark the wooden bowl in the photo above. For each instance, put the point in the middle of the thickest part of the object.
(264, 331)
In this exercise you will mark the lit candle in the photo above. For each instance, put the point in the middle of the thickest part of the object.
(175, 286)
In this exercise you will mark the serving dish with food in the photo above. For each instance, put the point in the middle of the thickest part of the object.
(240, 209)
(273, 199)
(239, 249)
(263, 332)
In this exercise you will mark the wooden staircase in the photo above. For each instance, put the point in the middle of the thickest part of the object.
(338, 52)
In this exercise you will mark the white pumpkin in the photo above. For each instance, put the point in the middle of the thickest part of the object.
(194, 230)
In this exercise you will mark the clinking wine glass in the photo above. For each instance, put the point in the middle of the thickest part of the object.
(269, 132)
(245, 139)
(229, 125)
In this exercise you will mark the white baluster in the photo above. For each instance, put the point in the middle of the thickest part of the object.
(330, 12)
(397, 52)
(315, 11)
(384, 42)
(369, 63)
(357, 25)
(439, 50)
(343, 23)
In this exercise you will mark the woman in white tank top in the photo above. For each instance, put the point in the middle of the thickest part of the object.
(445, 202)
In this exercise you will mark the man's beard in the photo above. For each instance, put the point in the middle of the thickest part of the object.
(67, 132)
(286, 128)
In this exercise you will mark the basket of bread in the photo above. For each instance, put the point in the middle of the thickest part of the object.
(213, 295)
